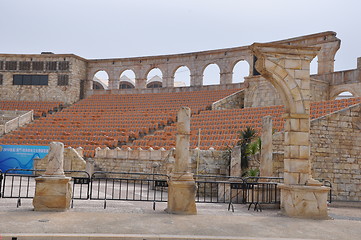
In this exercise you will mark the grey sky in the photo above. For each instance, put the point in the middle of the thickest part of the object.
(116, 28)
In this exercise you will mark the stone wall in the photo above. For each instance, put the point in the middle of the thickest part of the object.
(159, 161)
(259, 92)
(73, 161)
(68, 94)
(320, 90)
(235, 100)
(335, 147)
(167, 89)
(335, 152)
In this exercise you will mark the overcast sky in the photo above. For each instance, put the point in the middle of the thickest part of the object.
(126, 28)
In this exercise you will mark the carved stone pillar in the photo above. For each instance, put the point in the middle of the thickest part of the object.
(53, 190)
(266, 163)
(182, 187)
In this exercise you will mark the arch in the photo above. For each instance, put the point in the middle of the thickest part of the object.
(129, 73)
(154, 78)
(281, 84)
(338, 90)
(182, 76)
(127, 79)
(101, 76)
(240, 71)
(314, 66)
(344, 95)
(211, 74)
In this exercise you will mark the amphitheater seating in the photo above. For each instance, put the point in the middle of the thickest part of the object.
(221, 128)
(39, 108)
(112, 120)
(148, 120)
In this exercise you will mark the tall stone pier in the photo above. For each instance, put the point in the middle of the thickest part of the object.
(182, 187)
(288, 69)
(266, 164)
(53, 189)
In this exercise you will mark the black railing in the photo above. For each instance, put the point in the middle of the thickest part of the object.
(327, 183)
(262, 190)
(125, 186)
(252, 190)
(217, 189)
(129, 187)
(20, 183)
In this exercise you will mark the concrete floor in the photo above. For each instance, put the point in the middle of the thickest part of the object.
(137, 220)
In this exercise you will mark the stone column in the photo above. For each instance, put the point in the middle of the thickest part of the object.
(196, 80)
(53, 190)
(326, 57)
(288, 69)
(266, 163)
(182, 187)
(235, 170)
(235, 164)
(140, 83)
(168, 82)
(114, 83)
(226, 78)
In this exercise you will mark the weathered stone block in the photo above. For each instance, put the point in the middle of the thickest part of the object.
(52, 194)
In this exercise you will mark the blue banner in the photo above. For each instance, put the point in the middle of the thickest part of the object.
(20, 156)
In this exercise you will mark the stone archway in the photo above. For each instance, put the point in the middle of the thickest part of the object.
(288, 70)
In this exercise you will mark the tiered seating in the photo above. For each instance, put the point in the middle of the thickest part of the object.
(39, 108)
(111, 120)
(319, 109)
(221, 128)
(148, 120)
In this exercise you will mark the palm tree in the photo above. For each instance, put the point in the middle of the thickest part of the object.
(254, 149)
(246, 137)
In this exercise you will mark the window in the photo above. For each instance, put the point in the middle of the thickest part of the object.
(30, 79)
(125, 85)
(1, 79)
(1, 65)
(64, 65)
(63, 80)
(38, 66)
(51, 66)
(10, 65)
(24, 65)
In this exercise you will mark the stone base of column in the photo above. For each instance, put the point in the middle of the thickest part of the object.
(304, 201)
(181, 194)
(52, 193)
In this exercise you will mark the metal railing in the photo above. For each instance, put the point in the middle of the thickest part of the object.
(128, 187)
(252, 190)
(20, 183)
(125, 186)
(327, 183)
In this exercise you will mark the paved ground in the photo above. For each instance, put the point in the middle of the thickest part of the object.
(137, 220)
